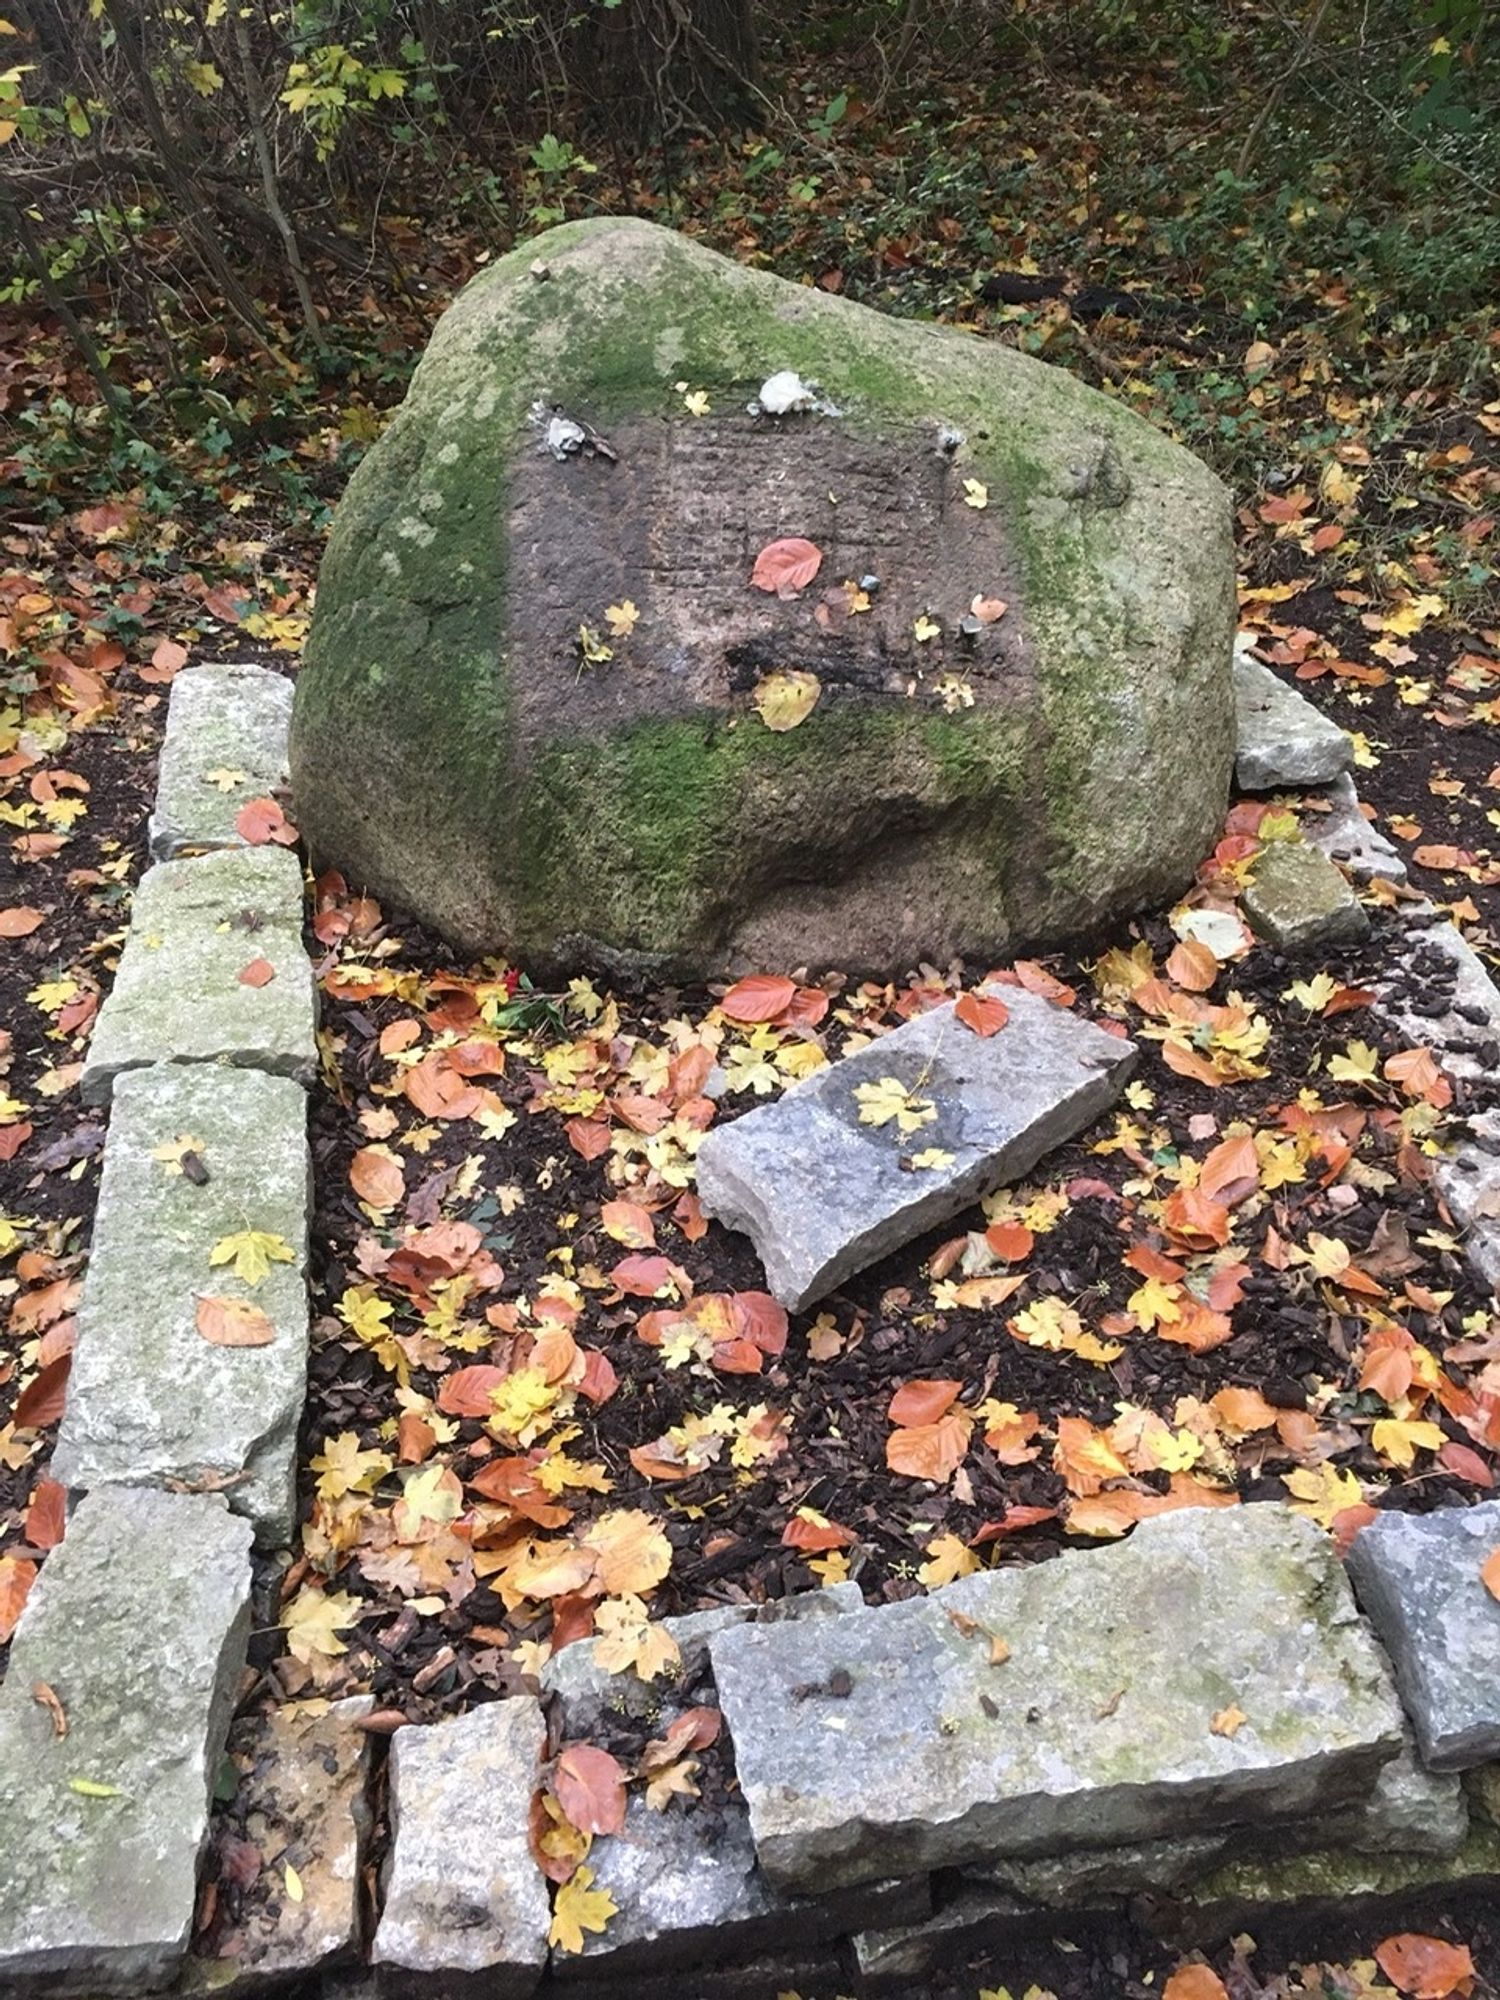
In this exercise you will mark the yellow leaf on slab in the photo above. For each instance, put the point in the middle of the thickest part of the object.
(579, 1907)
(252, 1252)
(785, 698)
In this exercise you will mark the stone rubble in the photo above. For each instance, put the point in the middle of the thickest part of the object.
(464, 1900)
(150, 1399)
(195, 927)
(1297, 900)
(899, 1764)
(1418, 1580)
(1282, 740)
(822, 1194)
(225, 744)
(102, 1828)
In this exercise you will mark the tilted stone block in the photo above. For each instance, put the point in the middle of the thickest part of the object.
(885, 1741)
(1297, 900)
(1418, 1578)
(226, 744)
(150, 1398)
(822, 1193)
(1441, 997)
(1344, 834)
(138, 1626)
(178, 997)
(466, 1907)
(1282, 740)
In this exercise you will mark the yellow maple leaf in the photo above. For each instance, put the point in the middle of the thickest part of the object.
(252, 1252)
(1358, 1064)
(889, 1098)
(625, 1639)
(579, 1907)
(1399, 1439)
(925, 628)
(976, 493)
(631, 1553)
(343, 1466)
(1322, 1494)
(947, 1560)
(1312, 995)
(622, 620)
(785, 698)
(314, 1619)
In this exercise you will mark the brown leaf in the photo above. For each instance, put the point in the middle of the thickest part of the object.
(982, 1012)
(590, 1788)
(233, 1323)
(261, 821)
(786, 566)
(377, 1176)
(628, 1223)
(47, 1515)
(16, 1578)
(47, 1698)
(20, 921)
(41, 1402)
(1425, 1968)
(259, 972)
(922, 1402)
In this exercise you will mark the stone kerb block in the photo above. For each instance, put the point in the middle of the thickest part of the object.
(1282, 740)
(1418, 1578)
(192, 984)
(821, 1193)
(225, 744)
(466, 1907)
(884, 1741)
(194, 1155)
(1298, 900)
(138, 1626)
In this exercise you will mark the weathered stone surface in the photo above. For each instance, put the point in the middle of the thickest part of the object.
(1417, 1576)
(1298, 900)
(1333, 822)
(226, 743)
(1469, 1182)
(150, 1399)
(1482, 1789)
(1282, 740)
(1197, 1611)
(178, 996)
(971, 1922)
(302, 1803)
(1441, 997)
(821, 1195)
(1026, 778)
(138, 1625)
(1249, 1895)
(466, 1907)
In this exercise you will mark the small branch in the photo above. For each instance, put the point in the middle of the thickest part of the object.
(115, 398)
(278, 214)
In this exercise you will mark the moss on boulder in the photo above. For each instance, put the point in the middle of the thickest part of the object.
(457, 750)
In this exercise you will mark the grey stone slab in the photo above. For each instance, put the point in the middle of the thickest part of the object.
(822, 1194)
(974, 1920)
(1440, 972)
(466, 1907)
(1098, 1728)
(225, 744)
(302, 1803)
(138, 1625)
(1248, 1895)
(1299, 901)
(1282, 739)
(689, 1892)
(178, 996)
(150, 1399)
(1417, 1576)
(1482, 1789)
(1469, 1182)
(1333, 823)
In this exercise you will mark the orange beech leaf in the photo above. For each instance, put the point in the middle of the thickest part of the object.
(930, 1451)
(1387, 1370)
(689, 1217)
(1196, 1220)
(922, 1402)
(1188, 1062)
(1349, 1521)
(1489, 1573)
(20, 921)
(377, 1176)
(47, 1515)
(16, 1578)
(440, 1092)
(398, 1035)
(1425, 1968)
(1231, 1171)
(1193, 966)
(233, 1323)
(467, 1391)
(1243, 1411)
(982, 1012)
(259, 972)
(808, 1007)
(1195, 1982)
(1462, 1462)
(41, 1402)
(598, 1382)
(763, 997)
(514, 1481)
(1152, 1264)
(262, 822)
(1105, 1514)
(1037, 979)
(1197, 1327)
(14, 1137)
(1011, 1241)
(815, 1535)
(1419, 1076)
(1012, 1522)
(644, 1277)
(980, 1292)
(590, 1788)
(787, 566)
(628, 1223)
(415, 1438)
(589, 1137)
(1085, 1458)
(761, 1319)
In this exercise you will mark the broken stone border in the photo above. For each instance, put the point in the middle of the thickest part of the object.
(996, 1813)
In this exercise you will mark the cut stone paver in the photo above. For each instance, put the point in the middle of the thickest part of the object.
(138, 1626)
(226, 744)
(464, 1900)
(1297, 900)
(302, 1804)
(1418, 1578)
(179, 997)
(150, 1398)
(1282, 739)
(1440, 996)
(822, 1194)
(1344, 834)
(917, 1753)
(1469, 1183)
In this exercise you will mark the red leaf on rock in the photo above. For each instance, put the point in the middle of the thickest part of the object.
(16, 1579)
(261, 821)
(786, 566)
(590, 1788)
(259, 972)
(762, 997)
(982, 1012)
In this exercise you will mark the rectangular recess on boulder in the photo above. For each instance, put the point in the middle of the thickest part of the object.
(138, 1626)
(151, 1397)
(885, 1741)
(822, 1194)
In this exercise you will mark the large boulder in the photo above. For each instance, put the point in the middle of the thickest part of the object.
(462, 747)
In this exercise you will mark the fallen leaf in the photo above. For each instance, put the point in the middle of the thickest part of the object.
(1195, 1982)
(590, 1787)
(786, 698)
(47, 1515)
(17, 1575)
(1425, 1968)
(786, 566)
(20, 921)
(764, 996)
(41, 1402)
(1489, 1573)
(233, 1323)
(262, 822)
(377, 1176)
(47, 1697)
(579, 1907)
(1228, 1722)
(982, 1012)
